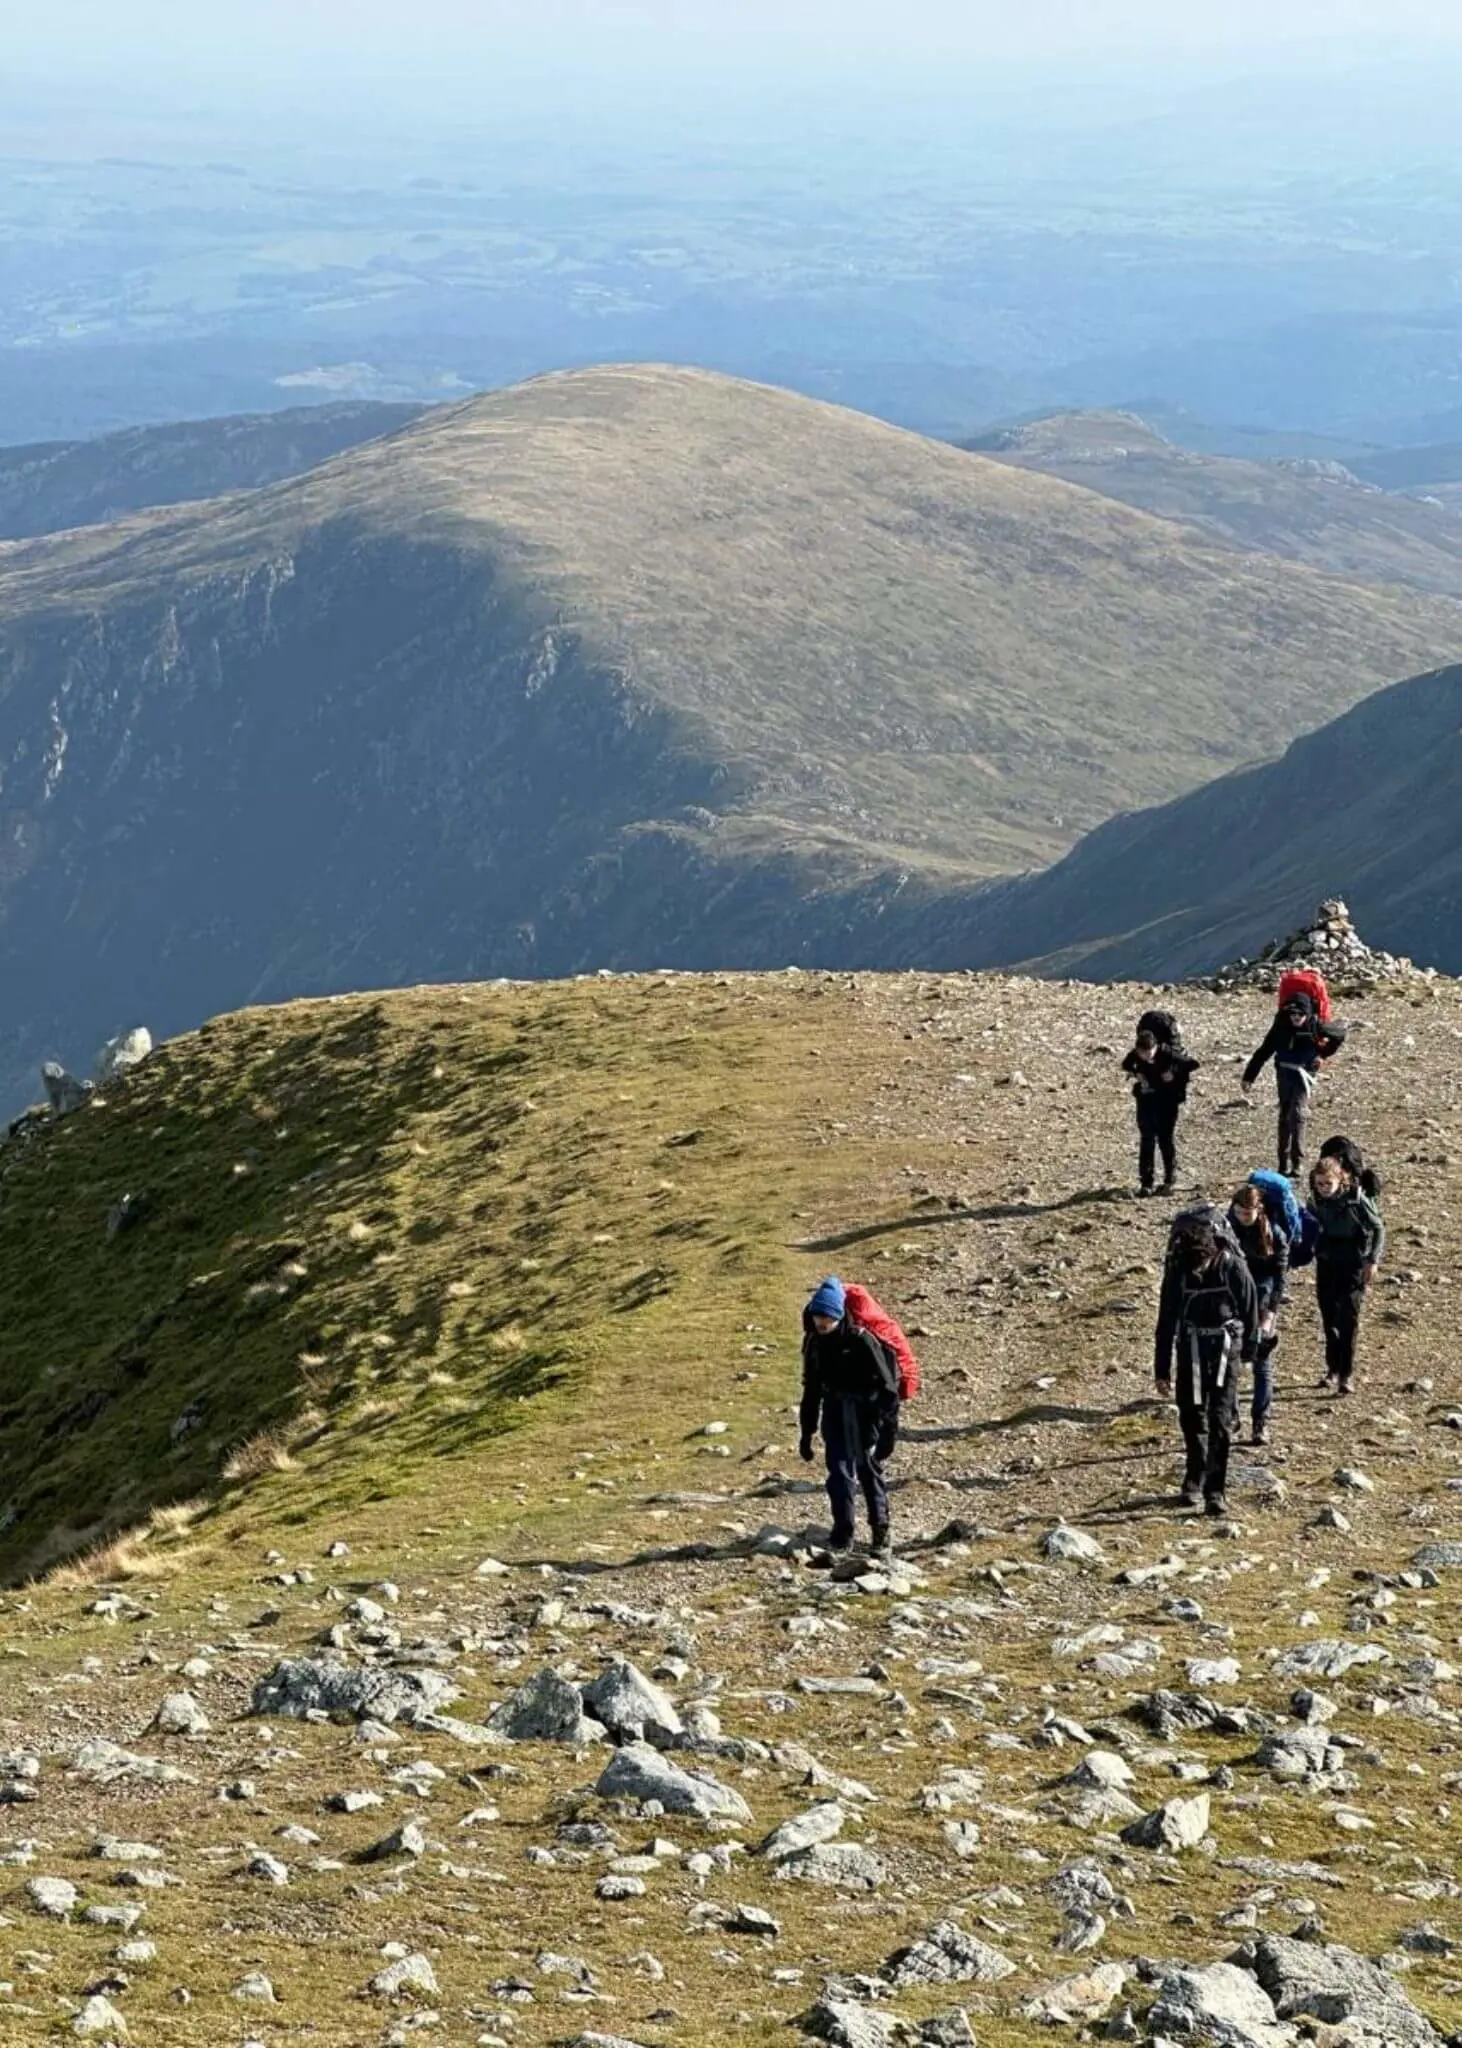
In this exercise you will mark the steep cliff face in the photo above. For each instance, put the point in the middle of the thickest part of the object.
(624, 669)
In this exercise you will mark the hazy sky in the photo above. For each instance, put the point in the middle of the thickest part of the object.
(257, 36)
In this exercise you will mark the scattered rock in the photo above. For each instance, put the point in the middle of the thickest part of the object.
(180, 1714)
(1064, 1545)
(1068, 2001)
(640, 1772)
(1177, 1824)
(845, 1865)
(120, 1054)
(1305, 1980)
(547, 1709)
(947, 1955)
(1220, 2004)
(631, 1707)
(803, 1831)
(54, 1897)
(304, 1686)
(412, 1973)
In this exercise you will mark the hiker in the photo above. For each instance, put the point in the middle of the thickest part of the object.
(1160, 1071)
(1299, 1044)
(1209, 1316)
(1265, 1225)
(1350, 1239)
(852, 1376)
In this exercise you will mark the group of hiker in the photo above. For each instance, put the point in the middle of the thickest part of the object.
(1225, 1278)
(1227, 1272)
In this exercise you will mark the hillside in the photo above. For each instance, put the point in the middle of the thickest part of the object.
(61, 484)
(1369, 807)
(626, 667)
(455, 1341)
(1317, 512)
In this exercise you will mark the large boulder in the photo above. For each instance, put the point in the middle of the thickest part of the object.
(302, 1686)
(547, 1709)
(947, 1955)
(120, 1054)
(640, 1772)
(63, 1091)
(1308, 1980)
(631, 1707)
(1177, 1824)
(1220, 2004)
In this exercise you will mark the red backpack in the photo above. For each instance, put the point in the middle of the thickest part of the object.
(867, 1313)
(1306, 981)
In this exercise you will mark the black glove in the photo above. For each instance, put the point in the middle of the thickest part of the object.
(805, 1450)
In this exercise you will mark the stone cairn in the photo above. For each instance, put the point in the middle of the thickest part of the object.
(1329, 942)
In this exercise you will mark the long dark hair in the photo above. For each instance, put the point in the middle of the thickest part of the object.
(1244, 1198)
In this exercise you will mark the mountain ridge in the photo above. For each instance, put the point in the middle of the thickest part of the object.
(620, 668)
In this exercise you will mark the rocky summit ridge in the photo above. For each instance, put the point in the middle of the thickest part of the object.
(459, 1670)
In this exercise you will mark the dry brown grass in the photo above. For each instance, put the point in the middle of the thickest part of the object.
(268, 1451)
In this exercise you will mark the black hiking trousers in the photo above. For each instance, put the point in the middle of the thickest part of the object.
(1296, 1086)
(1340, 1294)
(1208, 1405)
(857, 1444)
(1157, 1131)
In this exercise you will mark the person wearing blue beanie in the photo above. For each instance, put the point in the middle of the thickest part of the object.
(829, 1302)
(850, 1391)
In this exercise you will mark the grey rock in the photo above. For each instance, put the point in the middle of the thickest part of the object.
(1080, 1887)
(617, 1888)
(268, 1868)
(1065, 1545)
(255, 1988)
(845, 2025)
(946, 1954)
(631, 1706)
(407, 1840)
(1295, 1753)
(845, 1865)
(302, 1686)
(120, 1054)
(602, 2041)
(180, 1714)
(63, 1091)
(1104, 1770)
(1177, 1713)
(54, 1897)
(947, 2030)
(1439, 1557)
(1220, 2004)
(1305, 1980)
(752, 1920)
(1326, 1657)
(1069, 2000)
(640, 1772)
(1177, 1824)
(547, 1709)
(406, 1974)
(99, 2016)
(803, 1831)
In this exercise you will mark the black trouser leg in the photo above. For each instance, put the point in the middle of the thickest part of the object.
(1157, 1123)
(1167, 1139)
(840, 1448)
(1339, 1294)
(1208, 1408)
(1294, 1105)
(1264, 1379)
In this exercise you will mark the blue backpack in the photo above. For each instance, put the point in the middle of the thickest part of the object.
(1280, 1201)
(1302, 1247)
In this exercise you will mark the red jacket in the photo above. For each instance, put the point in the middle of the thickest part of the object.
(869, 1315)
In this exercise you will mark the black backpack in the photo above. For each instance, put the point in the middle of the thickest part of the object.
(1163, 1025)
(1346, 1150)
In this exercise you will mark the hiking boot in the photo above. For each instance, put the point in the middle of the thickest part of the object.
(1260, 1436)
(1191, 1494)
(1170, 1185)
(1342, 1389)
(1215, 1507)
(882, 1543)
(1325, 1380)
(1145, 1192)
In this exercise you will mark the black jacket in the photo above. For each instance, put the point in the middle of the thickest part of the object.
(1290, 1045)
(846, 1364)
(1167, 1073)
(1269, 1271)
(1206, 1303)
(1352, 1233)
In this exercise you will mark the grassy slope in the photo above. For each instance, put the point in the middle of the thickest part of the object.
(1367, 535)
(1366, 808)
(886, 639)
(374, 1228)
(833, 1115)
